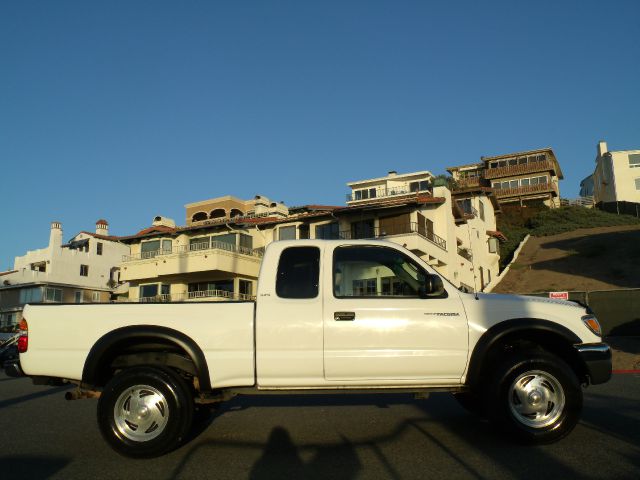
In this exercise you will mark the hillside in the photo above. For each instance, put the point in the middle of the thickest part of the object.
(598, 258)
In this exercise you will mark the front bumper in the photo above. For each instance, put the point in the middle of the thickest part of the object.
(597, 359)
(13, 369)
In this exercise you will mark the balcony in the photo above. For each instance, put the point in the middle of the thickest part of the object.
(221, 295)
(185, 259)
(397, 229)
(522, 169)
(526, 190)
(195, 247)
(375, 193)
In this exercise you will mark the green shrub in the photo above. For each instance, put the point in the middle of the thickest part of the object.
(567, 219)
(517, 222)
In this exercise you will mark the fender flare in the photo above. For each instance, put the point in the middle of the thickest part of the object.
(108, 344)
(508, 327)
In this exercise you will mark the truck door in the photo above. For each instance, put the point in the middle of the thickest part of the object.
(378, 325)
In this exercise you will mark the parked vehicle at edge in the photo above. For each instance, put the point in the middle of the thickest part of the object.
(330, 316)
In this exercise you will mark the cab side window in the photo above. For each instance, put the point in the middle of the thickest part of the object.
(375, 272)
(298, 273)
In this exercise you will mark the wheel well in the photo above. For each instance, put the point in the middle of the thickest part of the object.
(145, 345)
(523, 340)
(143, 351)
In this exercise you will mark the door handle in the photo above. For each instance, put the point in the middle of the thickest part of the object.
(344, 316)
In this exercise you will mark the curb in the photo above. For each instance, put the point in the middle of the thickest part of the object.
(625, 371)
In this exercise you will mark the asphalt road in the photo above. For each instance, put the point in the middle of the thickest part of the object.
(340, 437)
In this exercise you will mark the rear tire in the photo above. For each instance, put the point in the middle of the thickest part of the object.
(145, 411)
(535, 397)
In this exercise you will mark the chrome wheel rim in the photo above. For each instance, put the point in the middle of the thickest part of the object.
(536, 399)
(141, 413)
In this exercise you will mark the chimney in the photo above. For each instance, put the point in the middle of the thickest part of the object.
(55, 237)
(602, 148)
(102, 227)
(392, 173)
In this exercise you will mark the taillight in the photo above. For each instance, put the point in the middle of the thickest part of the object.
(23, 340)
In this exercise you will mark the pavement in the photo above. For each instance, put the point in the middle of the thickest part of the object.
(626, 353)
(335, 437)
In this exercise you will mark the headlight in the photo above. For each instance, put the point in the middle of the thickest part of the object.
(592, 324)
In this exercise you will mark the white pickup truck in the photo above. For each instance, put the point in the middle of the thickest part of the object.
(330, 316)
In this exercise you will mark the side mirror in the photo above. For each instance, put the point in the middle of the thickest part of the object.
(432, 287)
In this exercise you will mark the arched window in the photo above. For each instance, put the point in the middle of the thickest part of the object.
(235, 213)
(218, 213)
(198, 217)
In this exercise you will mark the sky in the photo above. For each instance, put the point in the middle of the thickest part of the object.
(125, 110)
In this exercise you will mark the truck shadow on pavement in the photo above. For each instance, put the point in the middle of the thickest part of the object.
(33, 396)
(18, 467)
(447, 434)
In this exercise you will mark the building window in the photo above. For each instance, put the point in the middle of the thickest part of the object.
(84, 270)
(95, 297)
(637, 183)
(363, 229)
(155, 247)
(246, 241)
(53, 295)
(365, 194)
(199, 217)
(303, 232)
(298, 273)
(287, 233)
(465, 205)
(99, 248)
(148, 291)
(31, 295)
(420, 186)
(78, 297)
(328, 231)
(634, 160)
(246, 288)
(226, 239)
(481, 205)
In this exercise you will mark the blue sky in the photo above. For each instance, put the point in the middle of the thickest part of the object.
(125, 110)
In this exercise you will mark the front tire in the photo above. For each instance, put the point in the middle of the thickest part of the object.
(535, 397)
(145, 411)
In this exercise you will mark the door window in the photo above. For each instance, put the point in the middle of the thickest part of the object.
(375, 272)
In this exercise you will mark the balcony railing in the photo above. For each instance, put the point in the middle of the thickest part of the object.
(465, 253)
(526, 190)
(196, 247)
(512, 170)
(181, 297)
(385, 192)
(395, 229)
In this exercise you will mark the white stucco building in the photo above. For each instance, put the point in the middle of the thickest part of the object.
(85, 269)
(616, 177)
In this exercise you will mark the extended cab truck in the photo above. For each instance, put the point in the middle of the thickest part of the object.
(330, 316)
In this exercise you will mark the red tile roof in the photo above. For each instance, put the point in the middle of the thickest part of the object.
(101, 237)
(497, 234)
